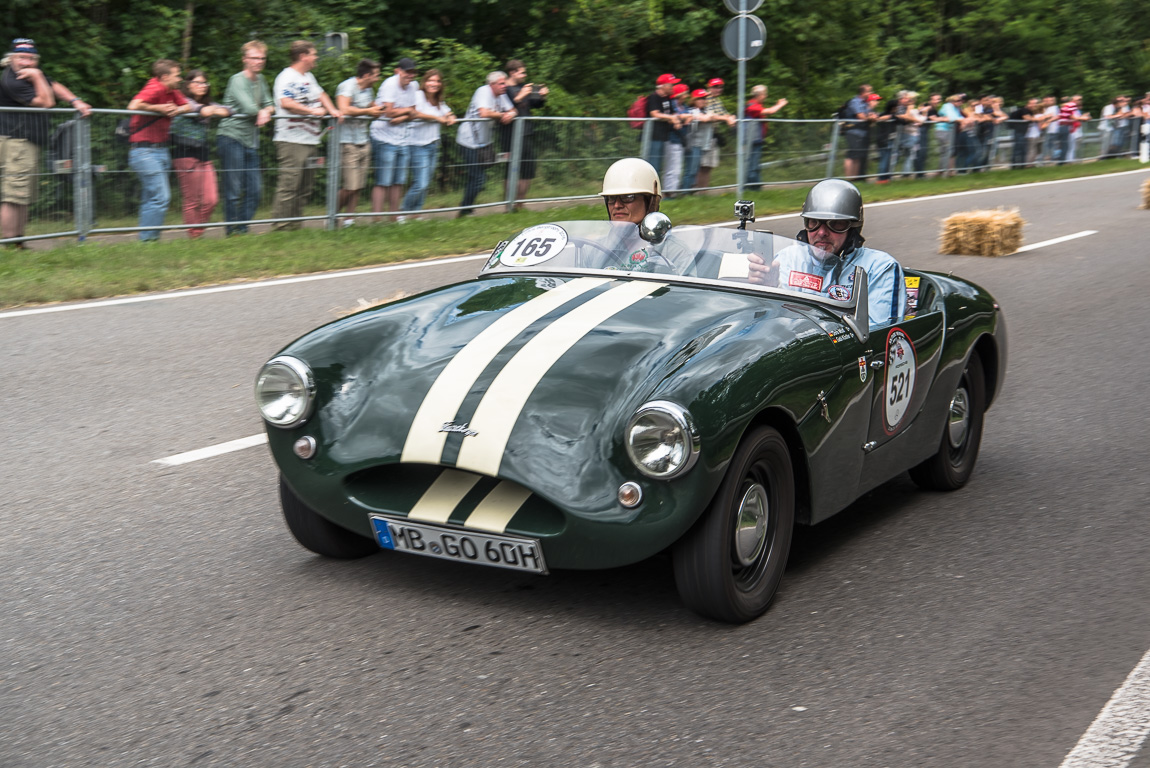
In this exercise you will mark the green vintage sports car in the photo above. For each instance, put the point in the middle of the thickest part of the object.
(605, 391)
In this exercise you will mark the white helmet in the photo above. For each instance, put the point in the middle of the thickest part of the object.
(632, 175)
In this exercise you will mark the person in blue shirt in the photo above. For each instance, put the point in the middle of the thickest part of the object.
(832, 224)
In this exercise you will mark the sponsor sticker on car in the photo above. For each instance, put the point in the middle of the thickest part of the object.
(534, 245)
(900, 369)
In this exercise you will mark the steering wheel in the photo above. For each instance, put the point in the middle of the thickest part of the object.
(613, 256)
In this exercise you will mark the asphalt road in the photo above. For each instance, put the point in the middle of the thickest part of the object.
(158, 616)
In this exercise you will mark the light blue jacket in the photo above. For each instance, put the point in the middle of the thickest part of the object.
(800, 270)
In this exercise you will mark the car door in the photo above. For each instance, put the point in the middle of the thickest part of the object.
(904, 357)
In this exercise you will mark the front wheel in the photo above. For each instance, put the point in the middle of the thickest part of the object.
(951, 467)
(319, 534)
(729, 565)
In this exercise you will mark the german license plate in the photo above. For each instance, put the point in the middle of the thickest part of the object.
(500, 550)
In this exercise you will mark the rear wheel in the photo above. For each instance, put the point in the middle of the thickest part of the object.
(951, 467)
(729, 565)
(319, 534)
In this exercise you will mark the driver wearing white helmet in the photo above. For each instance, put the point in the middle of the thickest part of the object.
(631, 190)
(832, 223)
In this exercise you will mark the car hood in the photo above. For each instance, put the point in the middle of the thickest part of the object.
(532, 379)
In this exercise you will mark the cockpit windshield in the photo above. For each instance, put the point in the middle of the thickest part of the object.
(715, 256)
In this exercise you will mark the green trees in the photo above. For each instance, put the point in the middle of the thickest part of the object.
(597, 55)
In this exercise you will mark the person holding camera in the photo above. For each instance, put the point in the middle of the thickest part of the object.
(526, 97)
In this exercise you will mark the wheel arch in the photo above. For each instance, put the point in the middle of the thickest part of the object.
(988, 353)
(781, 422)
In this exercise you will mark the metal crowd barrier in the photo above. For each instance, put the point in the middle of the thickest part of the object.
(84, 185)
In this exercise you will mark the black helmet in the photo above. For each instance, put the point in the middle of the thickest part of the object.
(834, 199)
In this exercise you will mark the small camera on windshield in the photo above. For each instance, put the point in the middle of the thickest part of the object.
(744, 212)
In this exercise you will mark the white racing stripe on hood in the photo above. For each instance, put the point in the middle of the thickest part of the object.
(443, 496)
(425, 442)
(500, 407)
(498, 507)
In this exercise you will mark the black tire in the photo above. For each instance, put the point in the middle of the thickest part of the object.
(716, 576)
(951, 467)
(319, 534)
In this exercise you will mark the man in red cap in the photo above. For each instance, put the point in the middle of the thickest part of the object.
(700, 137)
(714, 107)
(660, 106)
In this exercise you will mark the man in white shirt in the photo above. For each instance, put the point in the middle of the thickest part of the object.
(354, 99)
(299, 102)
(389, 136)
(476, 136)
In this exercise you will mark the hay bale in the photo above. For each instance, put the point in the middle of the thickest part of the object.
(982, 233)
(1145, 195)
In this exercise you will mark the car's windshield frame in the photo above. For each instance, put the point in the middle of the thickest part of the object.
(684, 246)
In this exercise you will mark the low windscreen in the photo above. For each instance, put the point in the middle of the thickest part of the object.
(707, 255)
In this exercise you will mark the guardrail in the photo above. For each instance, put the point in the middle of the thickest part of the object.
(85, 187)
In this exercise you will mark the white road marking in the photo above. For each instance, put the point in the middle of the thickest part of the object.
(240, 286)
(213, 450)
(1055, 241)
(474, 257)
(1117, 734)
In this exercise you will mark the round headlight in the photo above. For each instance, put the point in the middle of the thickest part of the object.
(662, 440)
(285, 390)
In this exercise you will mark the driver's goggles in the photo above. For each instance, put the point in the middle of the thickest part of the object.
(624, 199)
(834, 225)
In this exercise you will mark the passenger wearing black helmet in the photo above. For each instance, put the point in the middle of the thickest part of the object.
(832, 223)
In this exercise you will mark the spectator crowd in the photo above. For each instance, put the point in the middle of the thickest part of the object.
(384, 138)
(389, 137)
(1043, 131)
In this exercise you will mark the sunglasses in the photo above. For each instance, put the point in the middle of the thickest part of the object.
(838, 226)
(624, 199)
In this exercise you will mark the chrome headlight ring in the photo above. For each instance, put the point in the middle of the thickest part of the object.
(662, 441)
(285, 391)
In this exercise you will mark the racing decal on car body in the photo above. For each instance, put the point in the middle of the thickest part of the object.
(840, 334)
(492, 514)
(862, 369)
(805, 280)
(499, 408)
(911, 296)
(443, 496)
(462, 429)
(425, 442)
(534, 245)
(900, 370)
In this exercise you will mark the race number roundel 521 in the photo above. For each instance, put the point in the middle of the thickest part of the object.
(534, 245)
(900, 370)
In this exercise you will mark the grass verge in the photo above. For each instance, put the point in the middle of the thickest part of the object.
(99, 270)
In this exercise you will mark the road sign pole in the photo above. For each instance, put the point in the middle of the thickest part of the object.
(741, 132)
(740, 42)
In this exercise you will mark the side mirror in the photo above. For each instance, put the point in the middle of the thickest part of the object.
(859, 320)
(655, 227)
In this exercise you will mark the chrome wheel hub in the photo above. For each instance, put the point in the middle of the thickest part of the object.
(751, 525)
(959, 421)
